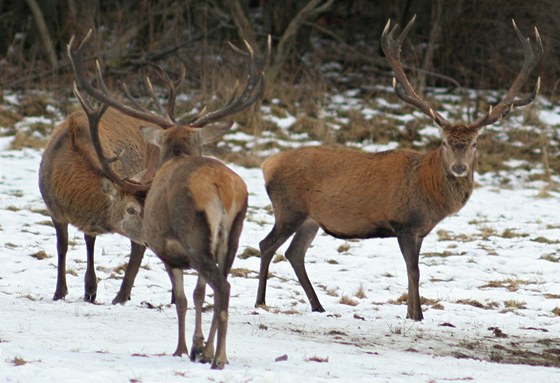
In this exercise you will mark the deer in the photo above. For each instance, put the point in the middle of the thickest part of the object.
(195, 205)
(76, 193)
(396, 193)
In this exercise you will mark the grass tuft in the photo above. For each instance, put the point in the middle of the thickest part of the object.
(346, 300)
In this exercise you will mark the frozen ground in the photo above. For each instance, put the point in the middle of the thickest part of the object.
(490, 279)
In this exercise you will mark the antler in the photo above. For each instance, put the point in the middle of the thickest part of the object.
(392, 50)
(508, 102)
(94, 116)
(102, 94)
(252, 91)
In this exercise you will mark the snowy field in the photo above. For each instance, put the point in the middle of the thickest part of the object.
(490, 279)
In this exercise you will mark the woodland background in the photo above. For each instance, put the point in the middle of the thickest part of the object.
(321, 50)
(468, 43)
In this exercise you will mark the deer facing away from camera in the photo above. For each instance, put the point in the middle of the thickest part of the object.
(195, 207)
(398, 193)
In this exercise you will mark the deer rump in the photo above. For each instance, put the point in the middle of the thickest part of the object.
(208, 196)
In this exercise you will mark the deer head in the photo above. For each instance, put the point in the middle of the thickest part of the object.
(459, 140)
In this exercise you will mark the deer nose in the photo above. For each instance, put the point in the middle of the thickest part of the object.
(459, 170)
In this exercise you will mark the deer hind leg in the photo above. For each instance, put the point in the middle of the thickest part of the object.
(225, 267)
(410, 247)
(61, 248)
(90, 279)
(221, 289)
(197, 347)
(176, 276)
(134, 262)
(278, 235)
(296, 255)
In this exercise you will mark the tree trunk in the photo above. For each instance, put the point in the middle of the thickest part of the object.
(43, 32)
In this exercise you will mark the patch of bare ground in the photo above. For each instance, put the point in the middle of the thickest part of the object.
(528, 346)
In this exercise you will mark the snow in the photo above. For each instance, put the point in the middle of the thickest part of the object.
(499, 251)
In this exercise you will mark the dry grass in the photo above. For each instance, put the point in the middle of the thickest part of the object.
(551, 257)
(510, 284)
(513, 304)
(343, 248)
(511, 233)
(241, 272)
(27, 140)
(346, 300)
(317, 359)
(486, 232)
(279, 258)
(434, 254)
(446, 235)
(41, 254)
(249, 252)
(360, 293)
(423, 300)
(471, 302)
(545, 240)
(331, 292)
(18, 361)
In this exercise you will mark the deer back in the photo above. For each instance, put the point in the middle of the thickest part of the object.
(74, 190)
(191, 206)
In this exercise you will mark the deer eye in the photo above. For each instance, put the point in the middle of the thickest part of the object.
(131, 210)
(473, 145)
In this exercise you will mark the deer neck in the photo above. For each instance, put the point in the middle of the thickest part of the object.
(448, 192)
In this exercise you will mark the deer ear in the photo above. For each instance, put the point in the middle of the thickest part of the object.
(109, 189)
(153, 135)
(213, 133)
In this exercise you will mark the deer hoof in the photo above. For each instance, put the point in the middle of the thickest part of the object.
(90, 297)
(120, 299)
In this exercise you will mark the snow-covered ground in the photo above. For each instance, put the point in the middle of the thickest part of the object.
(490, 277)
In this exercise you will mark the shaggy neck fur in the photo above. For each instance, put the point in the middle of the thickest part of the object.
(449, 193)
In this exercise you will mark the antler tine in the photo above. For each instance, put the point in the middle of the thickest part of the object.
(254, 88)
(131, 98)
(508, 102)
(94, 116)
(100, 80)
(171, 86)
(102, 95)
(153, 95)
(392, 48)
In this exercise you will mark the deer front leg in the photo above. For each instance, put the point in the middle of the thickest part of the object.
(176, 276)
(134, 262)
(410, 247)
(90, 279)
(61, 248)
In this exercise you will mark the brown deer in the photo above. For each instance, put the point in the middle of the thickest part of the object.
(397, 193)
(194, 210)
(76, 193)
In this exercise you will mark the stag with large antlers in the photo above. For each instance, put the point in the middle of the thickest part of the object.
(195, 207)
(398, 193)
(77, 193)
